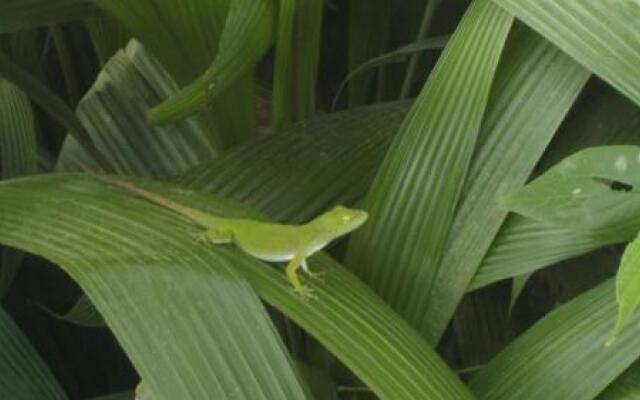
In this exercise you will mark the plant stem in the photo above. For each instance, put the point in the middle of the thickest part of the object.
(427, 18)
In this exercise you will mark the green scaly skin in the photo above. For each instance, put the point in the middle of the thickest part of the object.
(266, 241)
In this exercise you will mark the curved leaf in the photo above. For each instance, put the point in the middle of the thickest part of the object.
(246, 37)
(185, 36)
(397, 55)
(113, 111)
(129, 255)
(414, 196)
(602, 35)
(23, 374)
(563, 356)
(192, 328)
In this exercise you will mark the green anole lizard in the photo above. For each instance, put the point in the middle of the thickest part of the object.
(266, 241)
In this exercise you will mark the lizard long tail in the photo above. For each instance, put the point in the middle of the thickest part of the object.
(196, 216)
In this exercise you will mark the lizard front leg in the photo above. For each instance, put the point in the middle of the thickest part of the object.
(292, 273)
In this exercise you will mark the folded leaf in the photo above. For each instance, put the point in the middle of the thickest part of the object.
(246, 37)
(113, 110)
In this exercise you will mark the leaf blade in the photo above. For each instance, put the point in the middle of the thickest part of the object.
(413, 226)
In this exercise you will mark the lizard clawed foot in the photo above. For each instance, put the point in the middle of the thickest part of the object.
(318, 276)
(201, 237)
(305, 293)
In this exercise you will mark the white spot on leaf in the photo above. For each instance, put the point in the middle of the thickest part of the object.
(621, 163)
(576, 191)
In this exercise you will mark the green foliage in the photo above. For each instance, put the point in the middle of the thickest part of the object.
(519, 154)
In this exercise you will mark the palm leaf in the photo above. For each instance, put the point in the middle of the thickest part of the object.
(142, 270)
(534, 90)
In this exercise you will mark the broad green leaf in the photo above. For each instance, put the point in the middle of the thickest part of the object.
(113, 111)
(625, 387)
(246, 37)
(627, 286)
(166, 297)
(593, 191)
(602, 35)
(185, 36)
(563, 356)
(535, 88)
(192, 328)
(23, 374)
(368, 34)
(296, 62)
(317, 164)
(26, 14)
(48, 100)
(600, 117)
(414, 196)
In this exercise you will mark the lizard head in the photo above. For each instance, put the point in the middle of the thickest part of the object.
(344, 220)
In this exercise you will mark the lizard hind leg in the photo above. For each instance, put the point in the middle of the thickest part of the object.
(292, 274)
(215, 236)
